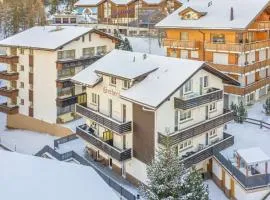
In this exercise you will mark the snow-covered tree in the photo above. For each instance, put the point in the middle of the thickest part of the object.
(127, 45)
(241, 113)
(194, 189)
(165, 177)
(54, 6)
(266, 106)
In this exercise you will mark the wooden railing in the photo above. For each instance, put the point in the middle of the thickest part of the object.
(241, 69)
(114, 152)
(9, 76)
(261, 25)
(4, 108)
(9, 59)
(9, 92)
(179, 136)
(174, 43)
(197, 101)
(208, 151)
(247, 89)
(112, 124)
(237, 47)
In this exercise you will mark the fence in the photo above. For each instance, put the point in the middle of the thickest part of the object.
(249, 182)
(260, 123)
(65, 139)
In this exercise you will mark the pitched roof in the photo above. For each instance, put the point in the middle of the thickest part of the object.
(123, 2)
(217, 14)
(48, 37)
(29, 177)
(162, 75)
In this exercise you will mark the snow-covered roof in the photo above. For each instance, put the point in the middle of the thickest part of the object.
(86, 2)
(87, 76)
(125, 64)
(253, 155)
(218, 14)
(45, 37)
(31, 178)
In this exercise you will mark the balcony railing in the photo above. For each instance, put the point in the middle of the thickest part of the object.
(9, 59)
(111, 124)
(9, 92)
(68, 63)
(69, 100)
(9, 109)
(179, 136)
(262, 25)
(181, 44)
(87, 134)
(248, 182)
(247, 89)
(198, 100)
(208, 151)
(9, 76)
(241, 69)
(237, 47)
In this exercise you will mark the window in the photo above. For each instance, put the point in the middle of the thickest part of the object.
(73, 20)
(126, 84)
(57, 20)
(101, 50)
(21, 51)
(205, 81)
(67, 54)
(113, 81)
(90, 37)
(188, 86)
(194, 54)
(31, 52)
(22, 102)
(83, 38)
(22, 68)
(82, 99)
(184, 36)
(212, 133)
(185, 145)
(185, 115)
(94, 98)
(21, 84)
(213, 106)
(218, 38)
(89, 52)
(65, 20)
(66, 72)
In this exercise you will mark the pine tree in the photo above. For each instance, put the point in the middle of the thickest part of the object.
(233, 107)
(266, 106)
(241, 113)
(194, 189)
(54, 6)
(127, 45)
(165, 175)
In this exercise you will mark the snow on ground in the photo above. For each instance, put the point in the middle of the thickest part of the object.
(141, 44)
(256, 111)
(77, 145)
(73, 124)
(214, 192)
(38, 178)
(246, 136)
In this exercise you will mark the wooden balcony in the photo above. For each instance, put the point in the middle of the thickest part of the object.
(260, 26)
(9, 76)
(241, 69)
(236, 47)
(179, 136)
(103, 120)
(68, 63)
(212, 95)
(248, 89)
(9, 92)
(5, 108)
(209, 151)
(88, 135)
(181, 44)
(9, 59)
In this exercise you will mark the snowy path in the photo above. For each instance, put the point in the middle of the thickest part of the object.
(256, 111)
(214, 192)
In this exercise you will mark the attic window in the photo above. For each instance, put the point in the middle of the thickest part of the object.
(191, 14)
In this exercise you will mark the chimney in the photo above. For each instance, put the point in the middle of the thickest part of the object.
(232, 14)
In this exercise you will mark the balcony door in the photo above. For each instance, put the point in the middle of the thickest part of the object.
(201, 85)
(110, 108)
(206, 113)
(124, 113)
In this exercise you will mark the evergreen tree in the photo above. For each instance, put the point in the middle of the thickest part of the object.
(194, 189)
(266, 106)
(127, 45)
(241, 113)
(234, 108)
(54, 6)
(165, 175)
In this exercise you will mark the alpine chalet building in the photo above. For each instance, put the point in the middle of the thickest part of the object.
(39, 64)
(232, 35)
(137, 101)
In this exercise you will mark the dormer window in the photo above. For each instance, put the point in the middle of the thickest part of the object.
(126, 84)
(191, 14)
(113, 81)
